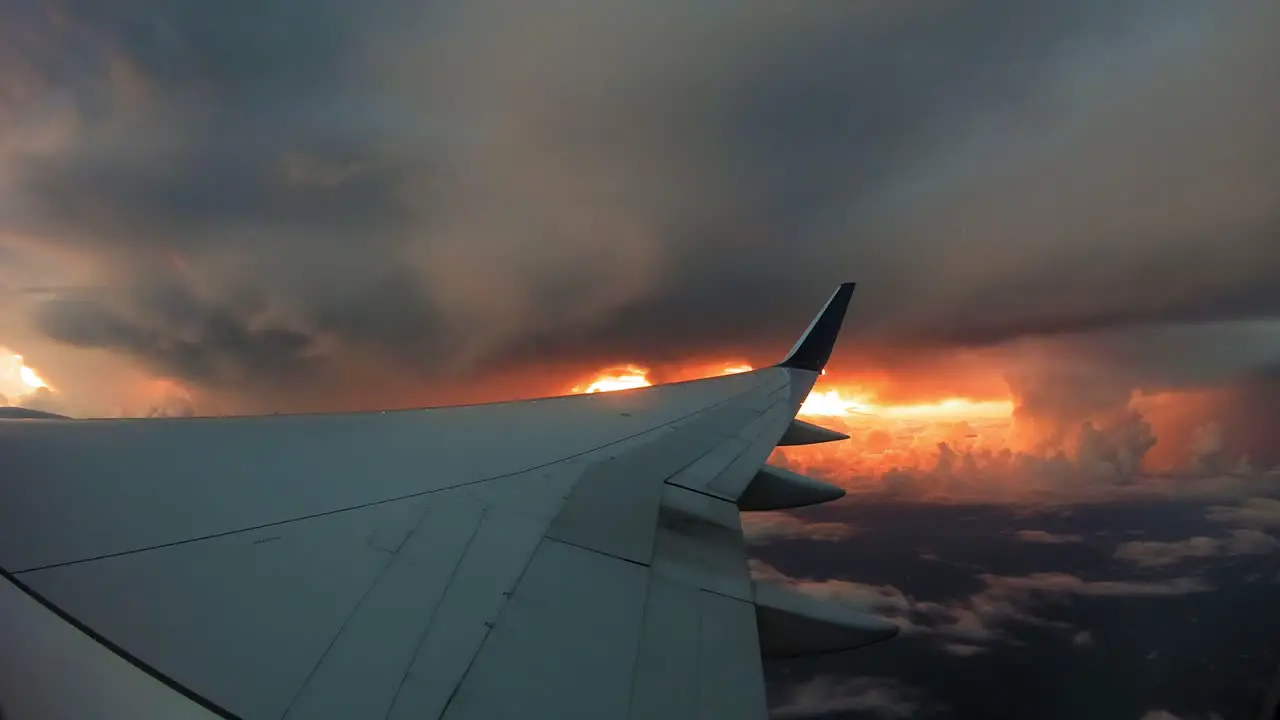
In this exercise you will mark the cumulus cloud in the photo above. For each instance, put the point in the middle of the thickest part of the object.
(873, 598)
(899, 459)
(1046, 538)
(962, 650)
(1166, 715)
(1059, 584)
(984, 616)
(879, 697)
(1157, 554)
(1256, 512)
(1160, 554)
(766, 527)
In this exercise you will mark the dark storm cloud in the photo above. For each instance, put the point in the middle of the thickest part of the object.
(326, 186)
(188, 337)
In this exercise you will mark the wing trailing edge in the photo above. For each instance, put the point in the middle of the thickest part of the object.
(803, 433)
(774, 488)
(788, 622)
(791, 624)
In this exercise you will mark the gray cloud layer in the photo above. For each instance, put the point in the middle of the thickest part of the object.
(281, 199)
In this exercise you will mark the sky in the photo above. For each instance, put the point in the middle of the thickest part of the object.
(1072, 209)
(290, 206)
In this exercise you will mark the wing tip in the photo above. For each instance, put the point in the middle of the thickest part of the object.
(813, 350)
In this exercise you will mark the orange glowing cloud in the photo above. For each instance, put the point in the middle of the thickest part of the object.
(883, 436)
(627, 377)
(18, 379)
(827, 399)
(931, 441)
(30, 377)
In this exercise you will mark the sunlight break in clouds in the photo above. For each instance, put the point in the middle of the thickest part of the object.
(19, 382)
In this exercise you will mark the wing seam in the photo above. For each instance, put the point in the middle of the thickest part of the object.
(601, 553)
(120, 652)
(374, 503)
(489, 626)
(382, 573)
(435, 612)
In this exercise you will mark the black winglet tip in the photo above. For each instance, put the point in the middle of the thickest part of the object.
(813, 350)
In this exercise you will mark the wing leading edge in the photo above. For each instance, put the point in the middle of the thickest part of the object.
(402, 565)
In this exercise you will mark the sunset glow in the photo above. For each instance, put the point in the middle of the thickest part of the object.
(835, 403)
(31, 378)
(952, 408)
(16, 377)
(627, 377)
(827, 399)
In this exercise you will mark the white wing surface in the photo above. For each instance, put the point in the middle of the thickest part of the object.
(575, 557)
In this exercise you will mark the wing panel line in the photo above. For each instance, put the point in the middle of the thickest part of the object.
(435, 612)
(123, 654)
(392, 559)
(374, 503)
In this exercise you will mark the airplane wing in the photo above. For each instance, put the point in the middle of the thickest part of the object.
(574, 557)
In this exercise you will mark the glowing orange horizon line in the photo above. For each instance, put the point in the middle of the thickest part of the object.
(825, 400)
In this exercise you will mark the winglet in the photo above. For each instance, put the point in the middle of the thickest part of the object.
(813, 349)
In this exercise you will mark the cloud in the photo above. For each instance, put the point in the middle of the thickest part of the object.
(962, 650)
(1256, 512)
(418, 196)
(982, 468)
(766, 527)
(873, 598)
(1166, 715)
(1046, 538)
(1061, 584)
(1161, 554)
(1084, 638)
(986, 615)
(192, 338)
(876, 696)
(42, 399)
(1157, 554)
